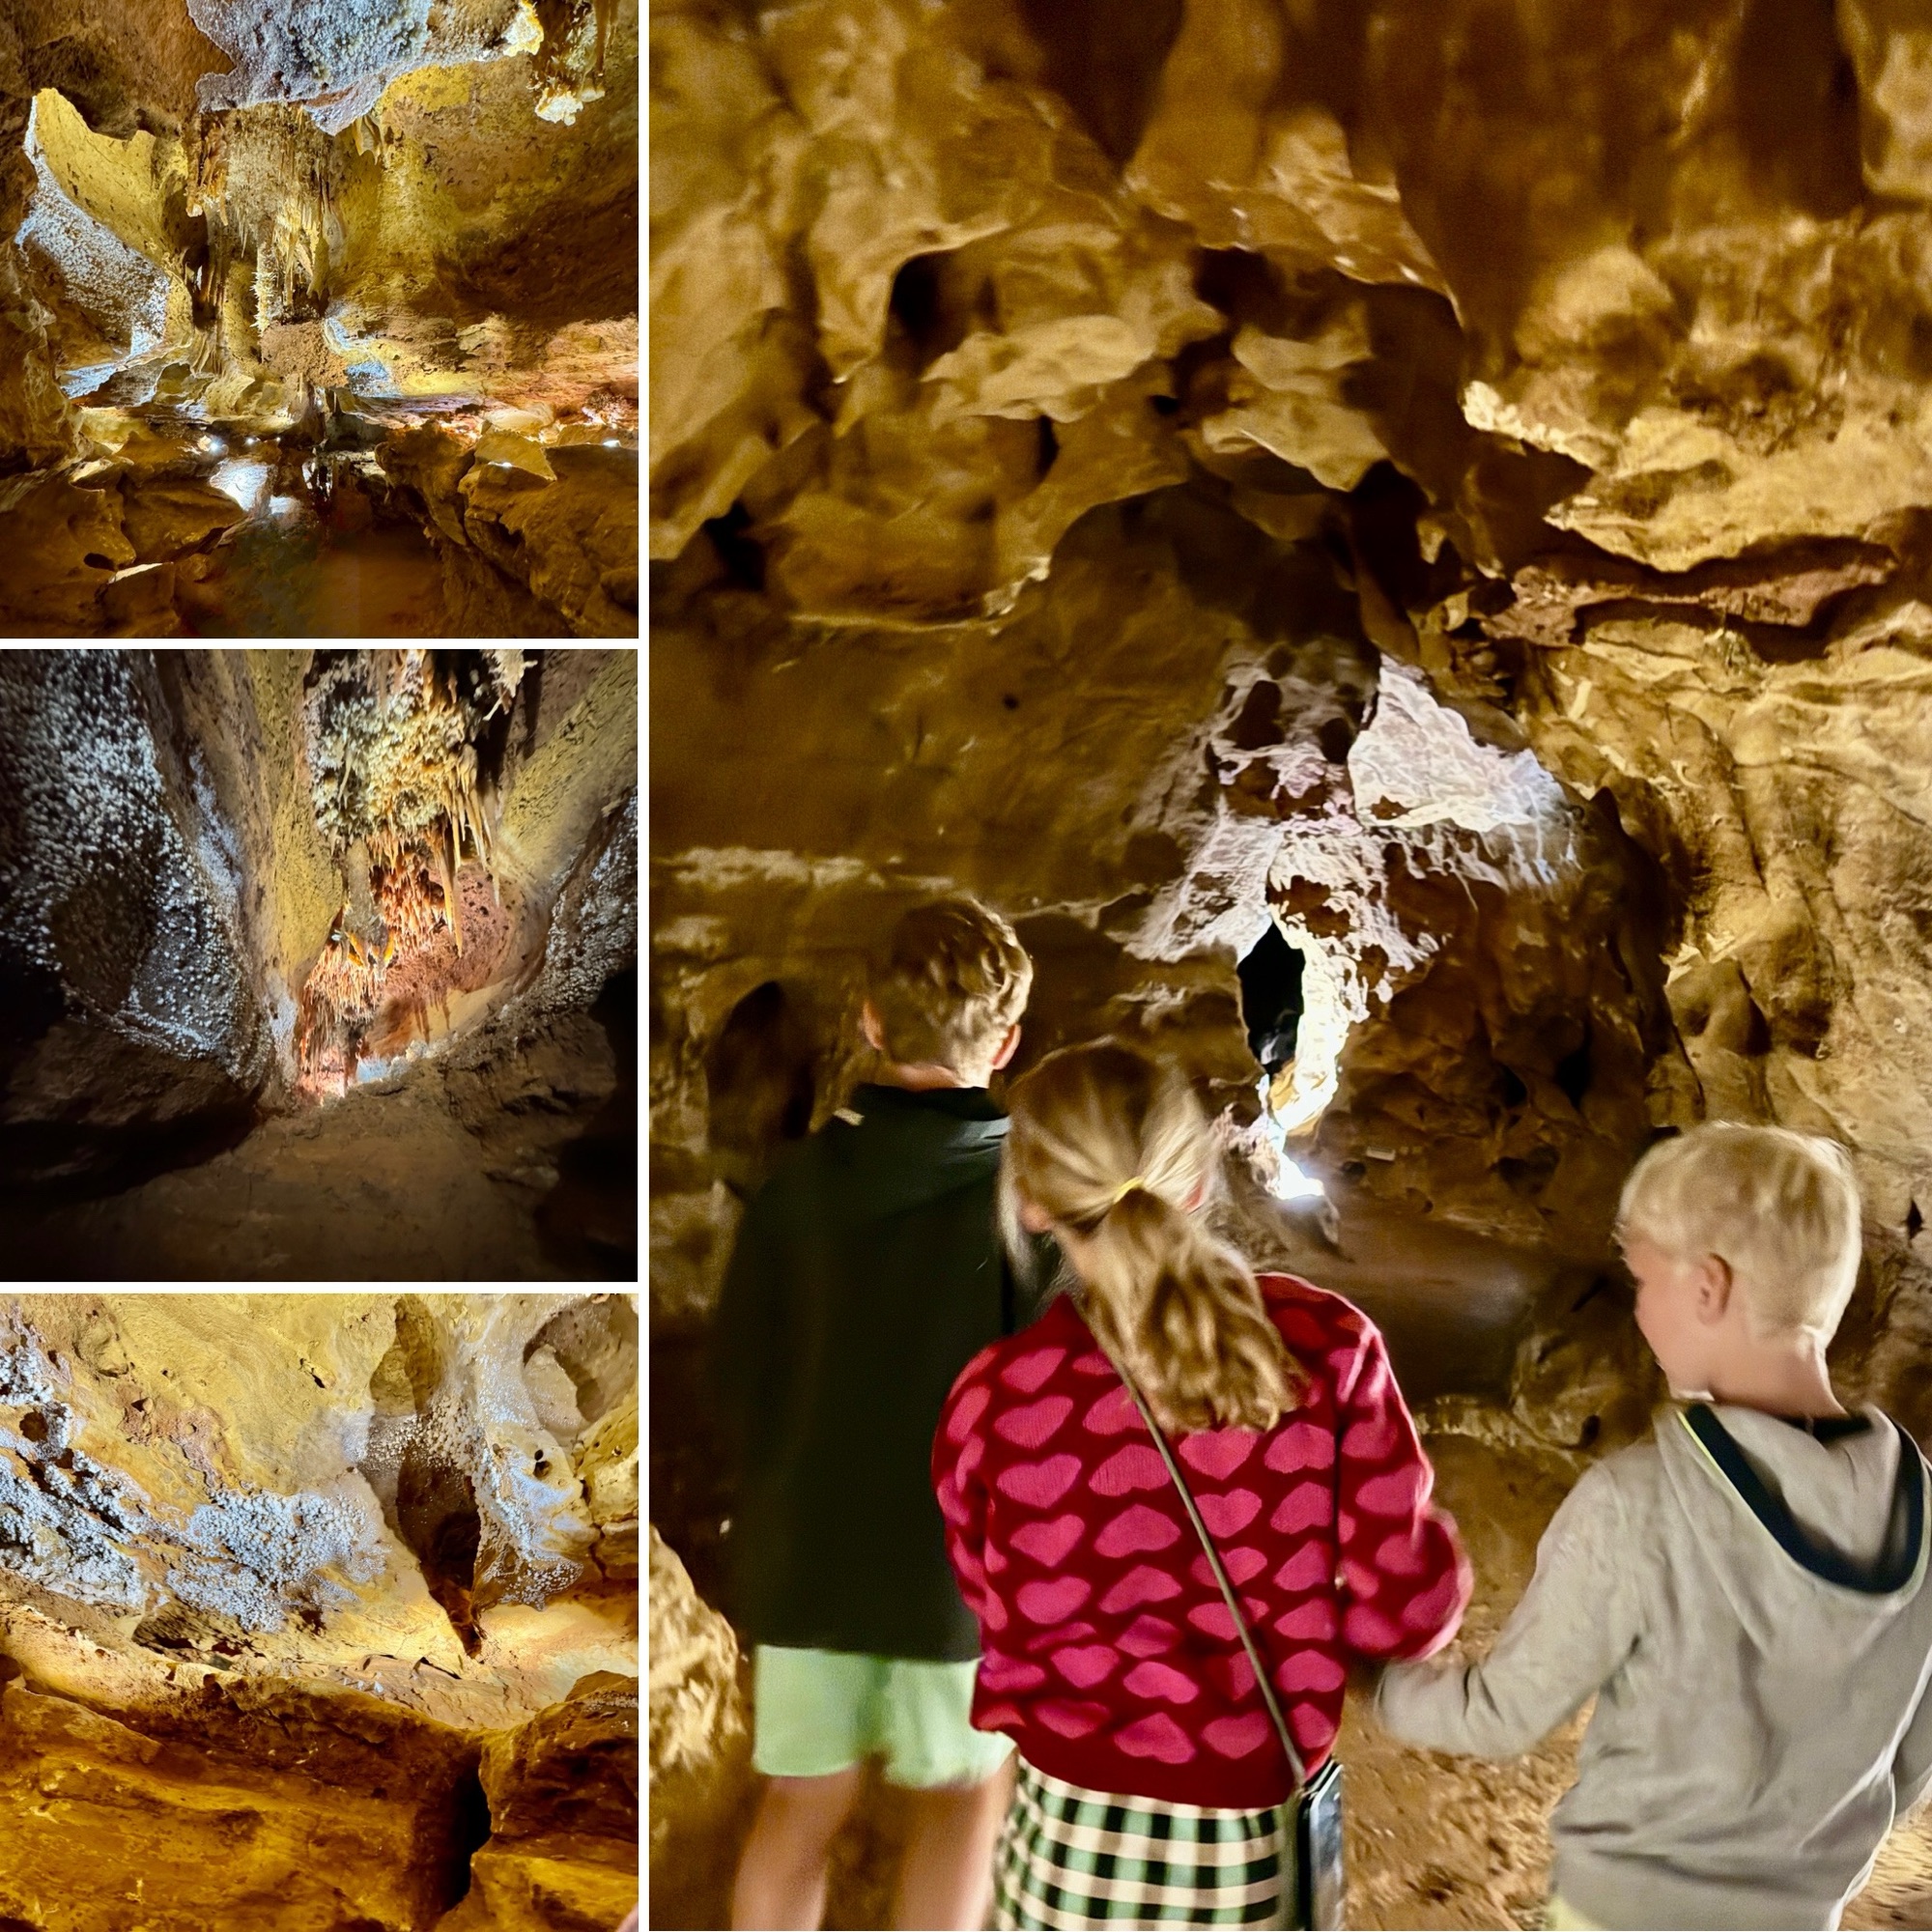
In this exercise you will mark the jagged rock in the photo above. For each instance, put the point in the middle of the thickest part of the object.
(245, 1810)
(257, 226)
(700, 1743)
(1444, 484)
(248, 1679)
(562, 1788)
(175, 882)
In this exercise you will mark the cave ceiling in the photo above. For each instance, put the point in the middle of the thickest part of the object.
(1169, 470)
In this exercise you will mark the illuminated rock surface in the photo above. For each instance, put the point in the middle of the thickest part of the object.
(1449, 483)
(248, 250)
(301, 1619)
(317, 964)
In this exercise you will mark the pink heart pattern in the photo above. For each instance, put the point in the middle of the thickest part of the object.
(1142, 1584)
(1069, 1717)
(1310, 1670)
(1104, 1624)
(1301, 1445)
(1148, 1635)
(1134, 1467)
(1030, 1371)
(1038, 1485)
(1240, 1564)
(967, 1408)
(1156, 1735)
(1039, 1642)
(1229, 1513)
(1307, 1507)
(998, 1672)
(1162, 1681)
(1047, 1543)
(1393, 1494)
(1036, 1424)
(1236, 1737)
(1314, 1620)
(1052, 1603)
(1085, 1664)
(1114, 1413)
(1217, 1453)
(1136, 1529)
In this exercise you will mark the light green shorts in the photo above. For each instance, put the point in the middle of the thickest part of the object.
(1561, 1917)
(821, 1710)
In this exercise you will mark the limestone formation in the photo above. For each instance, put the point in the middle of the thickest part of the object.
(246, 247)
(314, 930)
(289, 1633)
(1444, 489)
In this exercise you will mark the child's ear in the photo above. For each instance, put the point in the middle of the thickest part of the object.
(1009, 1046)
(1715, 1286)
(1034, 1218)
(870, 1026)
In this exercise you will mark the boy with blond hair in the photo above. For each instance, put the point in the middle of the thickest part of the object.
(867, 1273)
(1745, 1594)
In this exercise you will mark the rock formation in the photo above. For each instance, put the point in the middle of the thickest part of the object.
(1442, 490)
(317, 963)
(270, 278)
(318, 1610)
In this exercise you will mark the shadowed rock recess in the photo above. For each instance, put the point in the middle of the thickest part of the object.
(317, 964)
(1395, 541)
(319, 318)
(230, 1692)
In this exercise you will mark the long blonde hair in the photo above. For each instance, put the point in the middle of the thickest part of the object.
(1114, 1147)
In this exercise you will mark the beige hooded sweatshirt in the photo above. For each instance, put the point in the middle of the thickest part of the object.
(1746, 1600)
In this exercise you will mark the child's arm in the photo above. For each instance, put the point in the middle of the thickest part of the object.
(1405, 1581)
(1574, 1626)
(748, 1337)
(1911, 1765)
(958, 1445)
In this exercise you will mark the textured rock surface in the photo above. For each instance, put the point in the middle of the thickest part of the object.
(296, 1614)
(251, 242)
(177, 914)
(1111, 409)
(1450, 481)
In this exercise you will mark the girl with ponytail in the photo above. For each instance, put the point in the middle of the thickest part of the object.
(1151, 1770)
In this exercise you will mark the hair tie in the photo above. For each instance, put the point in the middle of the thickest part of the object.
(1136, 1186)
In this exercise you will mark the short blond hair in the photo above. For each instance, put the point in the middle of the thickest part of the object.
(953, 979)
(1781, 1208)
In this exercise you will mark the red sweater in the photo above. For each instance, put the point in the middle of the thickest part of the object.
(1109, 1656)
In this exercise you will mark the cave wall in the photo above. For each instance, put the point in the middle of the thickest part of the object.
(345, 227)
(167, 892)
(318, 1610)
(1419, 335)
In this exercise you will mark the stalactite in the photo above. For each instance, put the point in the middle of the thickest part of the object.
(395, 766)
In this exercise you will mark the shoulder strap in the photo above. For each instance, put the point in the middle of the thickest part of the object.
(1255, 1660)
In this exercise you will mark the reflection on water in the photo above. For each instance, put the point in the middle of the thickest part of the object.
(284, 575)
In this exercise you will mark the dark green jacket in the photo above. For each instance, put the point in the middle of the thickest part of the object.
(867, 1274)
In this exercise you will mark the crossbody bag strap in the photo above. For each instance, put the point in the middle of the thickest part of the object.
(1255, 1660)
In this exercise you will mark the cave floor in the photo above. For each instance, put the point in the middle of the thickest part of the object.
(428, 1173)
(290, 578)
(1450, 1304)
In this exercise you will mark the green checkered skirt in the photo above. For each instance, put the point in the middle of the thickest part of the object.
(1070, 1857)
